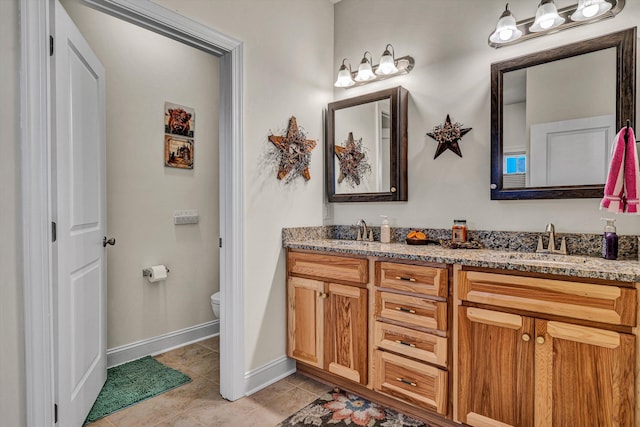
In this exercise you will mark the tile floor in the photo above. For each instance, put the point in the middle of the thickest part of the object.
(199, 404)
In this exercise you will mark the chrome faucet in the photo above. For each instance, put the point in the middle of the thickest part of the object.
(362, 230)
(551, 248)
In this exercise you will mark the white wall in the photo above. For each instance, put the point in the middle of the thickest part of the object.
(143, 71)
(448, 39)
(12, 387)
(288, 70)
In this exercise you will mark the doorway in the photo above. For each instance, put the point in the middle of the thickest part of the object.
(36, 141)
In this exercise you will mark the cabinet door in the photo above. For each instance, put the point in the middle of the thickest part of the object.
(346, 332)
(305, 320)
(495, 368)
(584, 376)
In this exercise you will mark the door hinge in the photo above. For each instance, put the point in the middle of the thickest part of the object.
(55, 412)
(54, 232)
(220, 242)
(50, 45)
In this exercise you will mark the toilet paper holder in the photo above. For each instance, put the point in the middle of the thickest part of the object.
(146, 272)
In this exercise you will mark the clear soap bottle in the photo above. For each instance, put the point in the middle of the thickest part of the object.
(385, 230)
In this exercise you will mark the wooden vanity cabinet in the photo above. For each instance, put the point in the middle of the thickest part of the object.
(327, 321)
(410, 334)
(526, 370)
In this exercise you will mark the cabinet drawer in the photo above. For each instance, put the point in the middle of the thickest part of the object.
(329, 267)
(408, 342)
(414, 382)
(412, 278)
(580, 300)
(414, 311)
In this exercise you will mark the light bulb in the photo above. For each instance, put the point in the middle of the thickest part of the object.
(505, 34)
(590, 11)
(547, 23)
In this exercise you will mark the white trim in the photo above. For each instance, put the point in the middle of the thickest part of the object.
(161, 343)
(36, 188)
(264, 376)
(35, 152)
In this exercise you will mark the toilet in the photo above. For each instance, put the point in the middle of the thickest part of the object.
(215, 304)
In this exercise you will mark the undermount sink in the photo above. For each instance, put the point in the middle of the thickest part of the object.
(339, 242)
(545, 259)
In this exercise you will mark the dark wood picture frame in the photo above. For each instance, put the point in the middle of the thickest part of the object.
(399, 98)
(625, 44)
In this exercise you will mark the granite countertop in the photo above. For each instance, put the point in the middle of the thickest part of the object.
(565, 265)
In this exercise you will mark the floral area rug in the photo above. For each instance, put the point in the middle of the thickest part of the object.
(339, 408)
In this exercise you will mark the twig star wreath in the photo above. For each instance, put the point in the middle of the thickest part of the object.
(294, 152)
(448, 136)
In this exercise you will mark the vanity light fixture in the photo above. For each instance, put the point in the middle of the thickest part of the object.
(368, 72)
(550, 19)
(387, 62)
(590, 9)
(506, 28)
(547, 17)
(344, 76)
(365, 72)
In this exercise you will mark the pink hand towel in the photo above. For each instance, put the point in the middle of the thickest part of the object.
(614, 187)
(631, 173)
(623, 181)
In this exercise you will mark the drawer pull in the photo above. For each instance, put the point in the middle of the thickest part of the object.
(540, 340)
(405, 310)
(408, 344)
(526, 337)
(408, 279)
(407, 382)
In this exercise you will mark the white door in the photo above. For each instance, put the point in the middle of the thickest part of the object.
(79, 207)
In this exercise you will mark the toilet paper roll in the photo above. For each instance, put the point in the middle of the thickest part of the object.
(158, 273)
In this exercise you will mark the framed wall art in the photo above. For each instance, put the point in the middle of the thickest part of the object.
(179, 138)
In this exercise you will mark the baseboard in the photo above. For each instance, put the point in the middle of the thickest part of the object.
(261, 377)
(161, 343)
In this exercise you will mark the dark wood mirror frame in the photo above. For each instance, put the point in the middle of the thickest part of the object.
(625, 44)
(399, 103)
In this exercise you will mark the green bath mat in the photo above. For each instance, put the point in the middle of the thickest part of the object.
(134, 382)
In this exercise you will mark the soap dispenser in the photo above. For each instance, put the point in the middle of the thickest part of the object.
(385, 230)
(609, 240)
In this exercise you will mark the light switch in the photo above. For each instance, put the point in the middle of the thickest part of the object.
(186, 217)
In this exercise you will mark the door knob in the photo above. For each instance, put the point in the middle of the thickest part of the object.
(526, 337)
(105, 242)
(540, 340)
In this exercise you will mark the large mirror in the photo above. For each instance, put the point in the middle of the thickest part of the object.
(366, 150)
(554, 115)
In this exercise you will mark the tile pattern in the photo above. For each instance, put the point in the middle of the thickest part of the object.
(520, 241)
(563, 265)
(199, 404)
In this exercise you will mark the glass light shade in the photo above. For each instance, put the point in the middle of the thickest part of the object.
(387, 64)
(546, 17)
(590, 9)
(506, 29)
(365, 72)
(344, 78)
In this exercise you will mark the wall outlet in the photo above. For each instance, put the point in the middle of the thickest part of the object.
(186, 217)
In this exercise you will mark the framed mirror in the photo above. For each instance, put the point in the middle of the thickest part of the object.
(366, 149)
(554, 115)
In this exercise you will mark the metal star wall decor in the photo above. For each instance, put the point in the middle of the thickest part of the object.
(294, 151)
(448, 135)
(353, 161)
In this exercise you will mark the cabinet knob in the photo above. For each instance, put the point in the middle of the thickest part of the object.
(526, 337)
(540, 340)
(323, 294)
